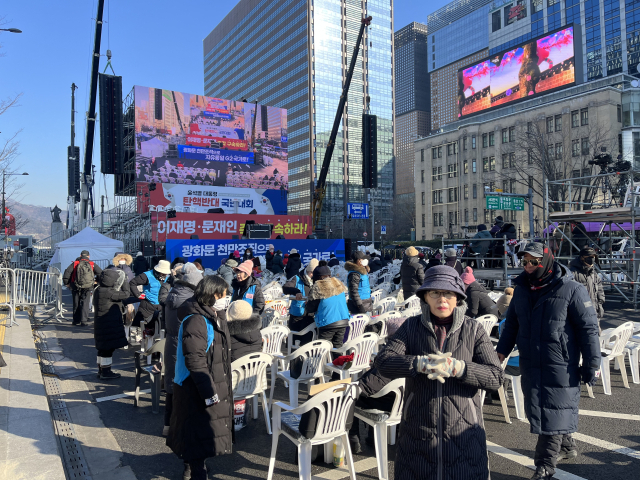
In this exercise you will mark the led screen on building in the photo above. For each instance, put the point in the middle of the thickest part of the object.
(538, 66)
(208, 144)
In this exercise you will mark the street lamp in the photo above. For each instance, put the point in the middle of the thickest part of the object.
(4, 211)
(12, 30)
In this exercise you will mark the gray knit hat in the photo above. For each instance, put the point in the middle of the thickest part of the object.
(191, 274)
(442, 277)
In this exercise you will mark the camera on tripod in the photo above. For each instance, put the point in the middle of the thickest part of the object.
(602, 160)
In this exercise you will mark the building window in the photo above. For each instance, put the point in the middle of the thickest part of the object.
(475, 191)
(584, 116)
(512, 134)
(485, 164)
(575, 119)
(487, 216)
(466, 215)
(551, 152)
(505, 186)
(465, 165)
(495, 21)
(558, 123)
(423, 220)
(492, 140)
(484, 189)
(453, 195)
(549, 124)
(464, 143)
(450, 149)
(559, 150)
(440, 219)
(473, 142)
(423, 199)
(435, 219)
(505, 135)
(434, 153)
(421, 176)
(512, 187)
(575, 148)
(466, 192)
(529, 126)
(475, 215)
(439, 173)
(575, 173)
(439, 152)
(452, 170)
(434, 175)
(422, 154)
(474, 167)
(492, 163)
(585, 146)
(505, 160)
(485, 140)
(512, 159)
(619, 109)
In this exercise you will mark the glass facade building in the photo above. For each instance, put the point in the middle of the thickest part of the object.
(295, 54)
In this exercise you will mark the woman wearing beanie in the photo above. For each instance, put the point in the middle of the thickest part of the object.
(442, 431)
(246, 287)
(451, 260)
(479, 302)
(504, 301)
(244, 328)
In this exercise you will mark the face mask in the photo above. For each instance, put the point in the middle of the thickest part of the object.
(588, 260)
(121, 262)
(220, 304)
(365, 263)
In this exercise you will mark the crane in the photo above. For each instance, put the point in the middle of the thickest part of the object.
(320, 190)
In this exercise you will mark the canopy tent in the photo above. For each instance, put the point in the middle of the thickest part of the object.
(154, 148)
(99, 246)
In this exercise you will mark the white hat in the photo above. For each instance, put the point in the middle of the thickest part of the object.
(163, 267)
(139, 254)
(312, 265)
(239, 310)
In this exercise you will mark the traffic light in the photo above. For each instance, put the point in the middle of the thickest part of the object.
(369, 151)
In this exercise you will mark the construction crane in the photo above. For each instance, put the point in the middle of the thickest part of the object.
(320, 190)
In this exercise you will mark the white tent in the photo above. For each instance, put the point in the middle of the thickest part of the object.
(99, 247)
(154, 148)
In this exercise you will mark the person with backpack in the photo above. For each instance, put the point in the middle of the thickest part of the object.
(80, 277)
(151, 283)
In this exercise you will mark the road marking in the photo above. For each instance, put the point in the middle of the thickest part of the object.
(526, 461)
(620, 416)
(607, 445)
(121, 395)
(339, 473)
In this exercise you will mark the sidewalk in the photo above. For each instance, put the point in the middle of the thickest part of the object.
(28, 445)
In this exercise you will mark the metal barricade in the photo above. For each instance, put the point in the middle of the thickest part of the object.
(6, 295)
(31, 288)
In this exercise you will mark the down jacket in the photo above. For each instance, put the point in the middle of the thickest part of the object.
(479, 302)
(293, 265)
(180, 293)
(245, 336)
(197, 431)
(588, 277)
(552, 328)
(412, 275)
(355, 303)
(443, 436)
(241, 288)
(226, 272)
(127, 265)
(277, 266)
(108, 301)
(481, 246)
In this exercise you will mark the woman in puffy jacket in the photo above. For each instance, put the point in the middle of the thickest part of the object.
(358, 284)
(244, 328)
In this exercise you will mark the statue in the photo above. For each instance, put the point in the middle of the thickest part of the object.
(55, 214)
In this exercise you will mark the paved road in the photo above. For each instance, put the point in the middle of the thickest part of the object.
(608, 439)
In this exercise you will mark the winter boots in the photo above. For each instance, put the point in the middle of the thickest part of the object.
(542, 474)
(104, 369)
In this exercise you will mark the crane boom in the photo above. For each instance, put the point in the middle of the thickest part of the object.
(320, 190)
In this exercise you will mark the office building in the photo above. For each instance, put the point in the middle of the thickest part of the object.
(295, 54)
(412, 101)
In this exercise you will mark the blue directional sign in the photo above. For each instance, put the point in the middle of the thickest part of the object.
(383, 230)
(358, 210)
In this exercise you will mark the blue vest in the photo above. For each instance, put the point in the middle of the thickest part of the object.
(181, 368)
(297, 306)
(331, 310)
(152, 289)
(250, 291)
(364, 288)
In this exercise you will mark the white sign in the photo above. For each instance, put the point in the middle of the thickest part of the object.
(365, 234)
(383, 230)
(201, 198)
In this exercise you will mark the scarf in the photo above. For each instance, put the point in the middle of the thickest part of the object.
(543, 273)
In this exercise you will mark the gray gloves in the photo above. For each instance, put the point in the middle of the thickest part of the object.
(439, 366)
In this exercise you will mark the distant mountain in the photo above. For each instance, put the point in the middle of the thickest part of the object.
(38, 219)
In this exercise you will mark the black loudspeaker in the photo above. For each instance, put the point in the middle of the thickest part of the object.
(280, 237)
(73, 171)
(235, 237)
(264, 118)
(171, 214)
(347, 248)
(215, 210)
(158, 103)
(369, 151)
(194, 237)
(148, 249)
(111, 142)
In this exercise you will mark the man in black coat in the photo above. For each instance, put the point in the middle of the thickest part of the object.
(269, 256)
(411, 272)
(277, 265)
(554, 323)
(294, 264)
(333, 261)
(244, 328)
(140, 264)
(81, 294)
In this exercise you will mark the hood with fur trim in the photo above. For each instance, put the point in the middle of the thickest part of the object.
(122, 256)
(329, 287)
(237, 327)
(354, 267)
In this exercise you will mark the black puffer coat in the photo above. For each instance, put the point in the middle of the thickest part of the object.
(552, 328)
(355, 303)
(180, 293)
(442, 427)
(412, 275)
(198, 431)
(245, 336)
(239, 289)
(269, 258)
(293, 266)
(277, 266)
(375, 265)
(588, 277)
(108, 301)
(478, 301)
(140, 265)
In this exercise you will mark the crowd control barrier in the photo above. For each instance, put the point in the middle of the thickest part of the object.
(22, 288)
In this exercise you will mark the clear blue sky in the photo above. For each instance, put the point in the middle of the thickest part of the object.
(157, 44)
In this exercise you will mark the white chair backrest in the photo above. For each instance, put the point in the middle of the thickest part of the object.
(376, 296)
(411, 302)
(314, 354)
(412, 312)
(621, 336)
(270, 317)
(267, 295)
(384, 330)
(334, 405)
(247, 373)
(273, 337)
(396, 386)
(281, 306)
(385, 316)
(385, 305)
(362, 347)
(487, 322)
(357, 324)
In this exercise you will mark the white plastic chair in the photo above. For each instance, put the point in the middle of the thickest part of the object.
(503, 398)
(376, 296)
(357, 323)
(612, 346)
(487, 322)
(410, 302)
(333, 405)
(385, 305)
(412, 312)
(380, 421)
(293, 344)
(313, 354)
(362, 348)
(281, 306)
(272, 339)
(270, 317)
(248, 381)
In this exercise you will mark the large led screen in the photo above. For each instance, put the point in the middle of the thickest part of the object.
(538, 66)
(198, 141)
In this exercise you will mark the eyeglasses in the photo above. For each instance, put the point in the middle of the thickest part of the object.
(435, 294)
(534, 262)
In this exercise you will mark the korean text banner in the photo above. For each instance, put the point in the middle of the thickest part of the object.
(191, 139)
(537, 66)
(203, 199)
(209, 226)
(213, 252)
